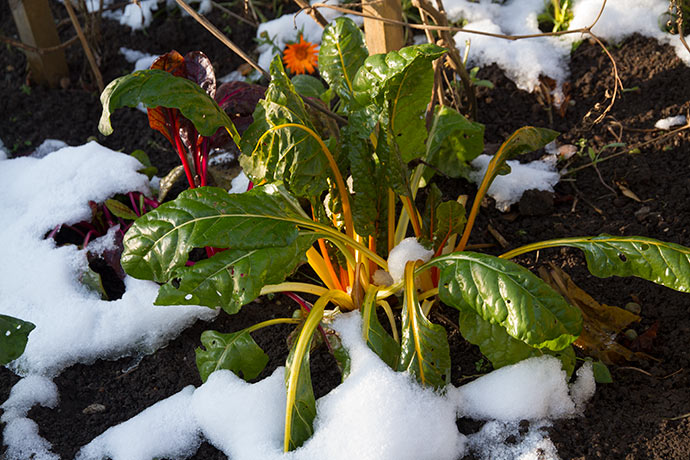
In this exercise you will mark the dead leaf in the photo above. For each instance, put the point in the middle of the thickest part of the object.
(601, 323)
(627, 192)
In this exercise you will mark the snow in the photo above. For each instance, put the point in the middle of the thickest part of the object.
(173, 433)
(668, 123)
(4, 154)
(239, 183)
(21, 433)
(508, 189)
(368, 417)
(48, 146)
(523, 60)
(407, 250)
(141, 60)
(39, 282)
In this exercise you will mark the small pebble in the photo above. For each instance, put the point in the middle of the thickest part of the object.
(94, 408)
(642, 213)
(630, 334)
(633, 307)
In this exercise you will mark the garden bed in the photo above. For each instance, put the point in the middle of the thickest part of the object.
(639, 415)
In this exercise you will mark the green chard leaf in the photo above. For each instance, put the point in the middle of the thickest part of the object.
(233, 278)
(369, 199)
(454, 141)
(667, 264)
(424, 349)
(308, 85)
(399, 83)
(236, 351)
(375, 335)
(341, 54)
(502, 349)
(158, 88)
(288, 153)
(508, 295)
(14, 334)
(159, 242)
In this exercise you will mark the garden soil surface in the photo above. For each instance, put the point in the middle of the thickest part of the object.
(643, 414)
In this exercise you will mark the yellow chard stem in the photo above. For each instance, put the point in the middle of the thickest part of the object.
(339, 297)
(301, 349)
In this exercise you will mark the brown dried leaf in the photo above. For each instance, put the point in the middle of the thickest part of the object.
(601, 323)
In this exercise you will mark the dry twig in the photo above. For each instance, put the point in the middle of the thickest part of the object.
(85, 45)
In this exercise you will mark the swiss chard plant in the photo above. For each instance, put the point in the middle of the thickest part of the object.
(341, 197)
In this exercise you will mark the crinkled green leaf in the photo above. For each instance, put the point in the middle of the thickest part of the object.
(400, 83)
(453, 142)
(368, 203)
(308, 85)
(159, 242)
(375, 335)
(500, 348)
(341, 54)
(394, 171)
(667, 264)
(236, 351)
(289, 154)
(14, 334)
(158, 88)
(510, 296)
(424, 349)
(233, 278)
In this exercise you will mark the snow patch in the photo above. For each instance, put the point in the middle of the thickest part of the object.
(670, 122)
(407, 250)
(508, 189)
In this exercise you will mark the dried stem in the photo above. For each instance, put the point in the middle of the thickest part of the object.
(34, 49)
(85, 45)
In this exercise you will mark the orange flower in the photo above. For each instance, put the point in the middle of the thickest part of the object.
(301, 57)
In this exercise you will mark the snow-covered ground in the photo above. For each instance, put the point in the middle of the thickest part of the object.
(376, 413)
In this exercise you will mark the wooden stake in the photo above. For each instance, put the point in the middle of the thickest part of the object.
(382, 37)
(36, 28)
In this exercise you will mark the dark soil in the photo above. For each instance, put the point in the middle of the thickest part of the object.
(639, 416)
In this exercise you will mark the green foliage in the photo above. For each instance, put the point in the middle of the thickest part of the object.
(424, 349)
(300, 165)
(454, 141)
(237, 352)
(509, 295)
(557, 16)
(158, 88)
(290, 154)
(14, 334)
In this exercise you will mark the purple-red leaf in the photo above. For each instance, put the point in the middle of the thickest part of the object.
(200, 71)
